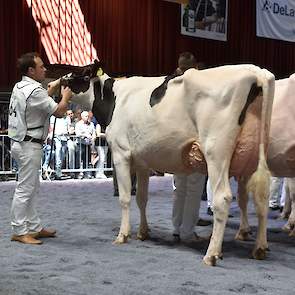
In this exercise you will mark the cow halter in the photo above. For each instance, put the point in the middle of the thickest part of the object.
(99, 72)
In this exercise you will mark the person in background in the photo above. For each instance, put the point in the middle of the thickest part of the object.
(71, 142)
(48, 156)
(276, 193)
(101, 149)
(29, 111)
(77, 115)
(188, 188)
(60, 140)
(85, 133)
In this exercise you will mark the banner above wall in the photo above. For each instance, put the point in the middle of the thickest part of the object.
(205, 19)
(276, 19)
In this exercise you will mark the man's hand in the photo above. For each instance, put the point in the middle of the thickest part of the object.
(67, 93)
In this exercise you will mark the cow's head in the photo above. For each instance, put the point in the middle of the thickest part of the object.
(91, 88)
(75, 77)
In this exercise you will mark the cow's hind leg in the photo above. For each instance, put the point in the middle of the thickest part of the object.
(222, 197)
(141, 199)
(244, 229)
(124, 186)
(259, 186)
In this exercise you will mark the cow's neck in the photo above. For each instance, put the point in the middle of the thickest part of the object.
(104, 100)
(86, 98)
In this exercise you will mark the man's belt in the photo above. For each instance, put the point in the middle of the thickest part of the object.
(32, 139)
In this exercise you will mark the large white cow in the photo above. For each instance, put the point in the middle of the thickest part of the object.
(281, 151)
(210, 120)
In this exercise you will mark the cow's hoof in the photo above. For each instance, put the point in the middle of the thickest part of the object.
(243, 235)
(121, 239)
(142, 236)
(259, 254)
(210, 260)
(292, 233)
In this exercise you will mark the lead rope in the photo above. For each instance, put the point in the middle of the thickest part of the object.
(53, 132)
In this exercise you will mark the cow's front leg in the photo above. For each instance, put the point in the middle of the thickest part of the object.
(124, 186)
(244, 231)
(141, 199)
(222, 197)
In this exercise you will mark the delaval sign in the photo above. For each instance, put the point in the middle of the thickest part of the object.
(275, 19)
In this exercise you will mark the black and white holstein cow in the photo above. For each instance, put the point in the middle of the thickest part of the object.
(198, 121)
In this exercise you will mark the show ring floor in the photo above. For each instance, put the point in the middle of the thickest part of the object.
(82, 259)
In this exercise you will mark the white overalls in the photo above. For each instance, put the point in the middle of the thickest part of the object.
(29, 111)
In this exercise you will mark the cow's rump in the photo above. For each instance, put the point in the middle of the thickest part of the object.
(281, 153)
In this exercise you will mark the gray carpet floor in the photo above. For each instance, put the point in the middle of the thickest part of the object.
(82, 259)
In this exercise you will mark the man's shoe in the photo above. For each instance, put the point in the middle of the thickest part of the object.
(26, 239)
(44, 233)
(203, 222)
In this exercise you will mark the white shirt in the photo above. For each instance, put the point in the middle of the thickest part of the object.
(61, 127)
(85, 131)
(35, 111)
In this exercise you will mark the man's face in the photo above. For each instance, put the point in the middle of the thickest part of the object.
(70, 114)
(85, 117)
(37, 73)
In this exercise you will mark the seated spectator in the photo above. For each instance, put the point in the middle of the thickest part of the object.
(85, 133)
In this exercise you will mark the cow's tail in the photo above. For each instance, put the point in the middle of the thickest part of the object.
(260, 181)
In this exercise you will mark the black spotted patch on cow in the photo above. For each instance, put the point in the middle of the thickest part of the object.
(104, 102)
(160, 91)
(254, 92)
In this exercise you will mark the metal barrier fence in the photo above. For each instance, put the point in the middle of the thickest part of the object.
(73, 156)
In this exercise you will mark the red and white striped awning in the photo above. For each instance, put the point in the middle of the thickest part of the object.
(63, 31)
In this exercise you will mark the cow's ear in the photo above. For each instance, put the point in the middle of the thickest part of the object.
(99, 63)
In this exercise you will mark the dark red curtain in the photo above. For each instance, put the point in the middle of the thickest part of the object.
(143, 37)
(18, 34)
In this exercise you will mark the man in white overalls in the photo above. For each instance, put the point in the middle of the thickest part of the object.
(29, 111)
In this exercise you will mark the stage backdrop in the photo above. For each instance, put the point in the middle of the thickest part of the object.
(205, 19)
(276, 19)
(140, 37)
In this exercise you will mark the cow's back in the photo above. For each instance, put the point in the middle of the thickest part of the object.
(156, 136)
